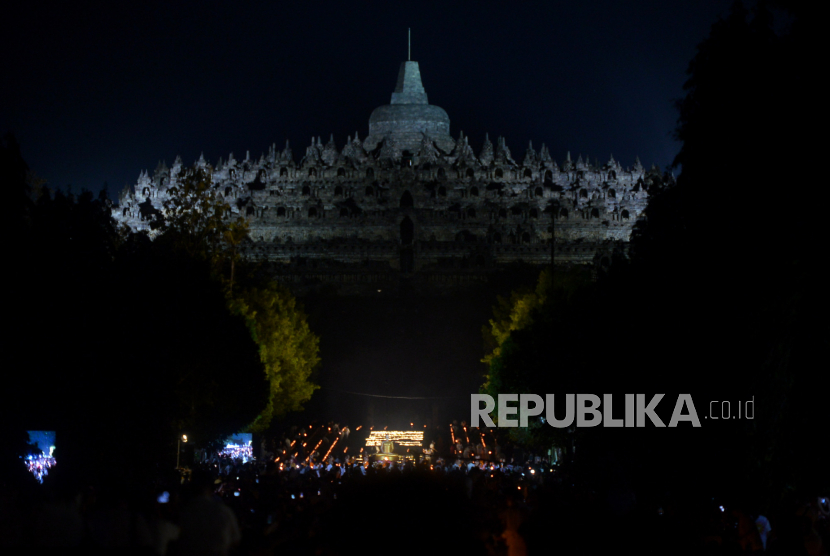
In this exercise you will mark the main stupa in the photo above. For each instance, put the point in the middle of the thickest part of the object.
(409, 116)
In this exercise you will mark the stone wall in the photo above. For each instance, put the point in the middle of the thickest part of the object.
(342, 212)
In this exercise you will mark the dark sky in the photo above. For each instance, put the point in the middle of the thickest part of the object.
(96, 94)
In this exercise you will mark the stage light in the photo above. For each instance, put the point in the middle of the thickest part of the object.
(330, 448)
(401, 438)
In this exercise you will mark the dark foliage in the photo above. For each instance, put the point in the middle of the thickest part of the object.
(723, 296)
(116, 343)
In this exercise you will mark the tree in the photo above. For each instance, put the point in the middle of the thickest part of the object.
(287, 347)
(121, 343)
(515, 313)
(522, 349)
(197, 221)
(725, 262)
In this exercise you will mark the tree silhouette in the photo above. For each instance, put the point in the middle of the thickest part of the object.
(198, 223)
(118, 343)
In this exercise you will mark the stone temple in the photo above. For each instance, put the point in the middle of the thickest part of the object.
(410, 204)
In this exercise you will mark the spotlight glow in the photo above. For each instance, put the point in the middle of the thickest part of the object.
(401, 438)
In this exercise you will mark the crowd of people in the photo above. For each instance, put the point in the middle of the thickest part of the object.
(39, 465)
(316, 492)
(238, 451)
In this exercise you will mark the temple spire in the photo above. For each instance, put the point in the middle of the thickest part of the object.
(409, 89)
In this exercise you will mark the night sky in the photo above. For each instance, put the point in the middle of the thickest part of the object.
(97, 94)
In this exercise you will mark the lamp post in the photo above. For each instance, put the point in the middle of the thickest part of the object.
(182, 438)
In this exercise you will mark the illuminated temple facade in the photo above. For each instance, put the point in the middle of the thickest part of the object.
(410, 202)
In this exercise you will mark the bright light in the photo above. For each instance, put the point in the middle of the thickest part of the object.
(401, 438)
(184, 438)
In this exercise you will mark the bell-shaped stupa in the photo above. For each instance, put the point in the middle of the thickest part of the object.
(409, 116)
